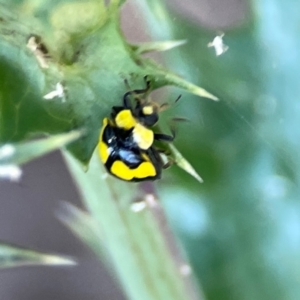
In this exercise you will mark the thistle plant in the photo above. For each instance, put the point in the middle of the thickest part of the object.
(63, 66)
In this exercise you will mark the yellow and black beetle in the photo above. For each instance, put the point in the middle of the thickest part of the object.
(126, 139)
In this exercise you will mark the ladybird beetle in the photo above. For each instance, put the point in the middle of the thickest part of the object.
(126, 139)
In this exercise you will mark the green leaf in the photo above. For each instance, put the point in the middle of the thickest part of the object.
(21, 153)
(14, 155)
(74, 55)
(183, 163)
(13, 256)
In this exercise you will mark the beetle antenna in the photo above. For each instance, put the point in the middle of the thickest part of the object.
(178, 98)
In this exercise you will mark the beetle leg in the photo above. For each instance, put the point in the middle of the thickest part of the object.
(163, 151)
(164, 137)
(168, 164)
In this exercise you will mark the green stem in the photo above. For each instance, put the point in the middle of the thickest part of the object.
(141, 247)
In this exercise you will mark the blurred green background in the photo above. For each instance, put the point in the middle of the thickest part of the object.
(241, 228)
